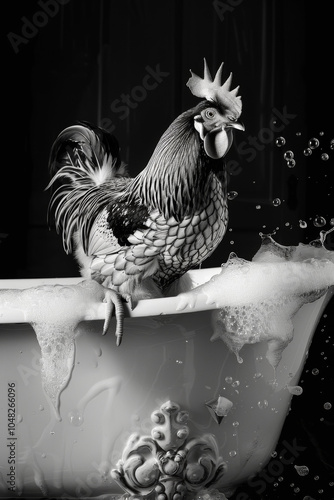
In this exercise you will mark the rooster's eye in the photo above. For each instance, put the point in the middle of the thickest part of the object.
(210, 113)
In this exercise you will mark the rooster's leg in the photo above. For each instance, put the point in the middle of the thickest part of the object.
(114, 303)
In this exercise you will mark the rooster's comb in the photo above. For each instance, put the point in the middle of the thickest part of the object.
(213, 90)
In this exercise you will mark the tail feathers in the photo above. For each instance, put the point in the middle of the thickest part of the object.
(87, 173)
(97, 149)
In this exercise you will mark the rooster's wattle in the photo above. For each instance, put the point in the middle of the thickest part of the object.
(136, 236)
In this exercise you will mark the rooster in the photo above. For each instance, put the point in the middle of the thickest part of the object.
(136, 236)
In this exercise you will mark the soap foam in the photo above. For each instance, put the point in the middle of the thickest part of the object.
(54, 312)
(256, 300)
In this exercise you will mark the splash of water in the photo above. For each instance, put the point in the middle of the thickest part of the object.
(256, 300)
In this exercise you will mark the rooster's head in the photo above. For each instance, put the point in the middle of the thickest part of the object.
(215, 123)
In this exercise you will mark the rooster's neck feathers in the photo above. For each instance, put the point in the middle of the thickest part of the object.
(179, 173)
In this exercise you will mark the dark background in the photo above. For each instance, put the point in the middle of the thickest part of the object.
(75, 60)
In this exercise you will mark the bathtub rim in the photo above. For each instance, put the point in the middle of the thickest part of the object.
(144, 308)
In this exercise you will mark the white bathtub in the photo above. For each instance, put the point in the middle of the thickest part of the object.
(164, 357)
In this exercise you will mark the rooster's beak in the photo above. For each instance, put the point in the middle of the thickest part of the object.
(236, 125)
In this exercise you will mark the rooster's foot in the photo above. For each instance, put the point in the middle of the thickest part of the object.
(114, 303)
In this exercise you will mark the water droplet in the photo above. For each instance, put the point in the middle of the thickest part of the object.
(307, 152)
(316, 478)
(319, 221)
(288, 155)
(274, 454)
(19, 418)
(321, 132)
(313, 143)
(327, 406)
(76, 418)
(231, 195)
(291, 163)
(302, 470)
(257, 375)
(43, 455)
(324, 156)
(236, 383)
(296, 490)
(280, 141)
(276, 202)
(258, 207)
(232, 453)
(235, 424)
(302, 224)
(262, 404)
(228, 380)
(315, 371)
(296, 390)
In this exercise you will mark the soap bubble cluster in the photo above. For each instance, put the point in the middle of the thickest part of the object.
(312, 145)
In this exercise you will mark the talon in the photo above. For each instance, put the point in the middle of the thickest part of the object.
(114, 301)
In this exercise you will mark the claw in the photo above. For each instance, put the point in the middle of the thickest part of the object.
(114, 301)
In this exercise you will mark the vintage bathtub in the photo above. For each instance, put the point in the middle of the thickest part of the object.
(165, 413)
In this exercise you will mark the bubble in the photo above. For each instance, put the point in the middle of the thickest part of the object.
(228, 380)
(302, 470)
(324, 156)
(236, 383)
(41, 407)
(274, 454)
(280, 141)
(288, 155)
(327, 406)
(296, 390)
(315, 371)
(307, 152)
(331, 144)
(235, 424)
(231, 195)
(276, 202)
(313, 143)
(321, 132)
(319, 221)
(262, 404)
(258, 207)
(76, 418)
(43, 455)
(291, 163)
(302, 224)
(232, 453)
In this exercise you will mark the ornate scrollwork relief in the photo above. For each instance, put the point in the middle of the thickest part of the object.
(168, 464)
